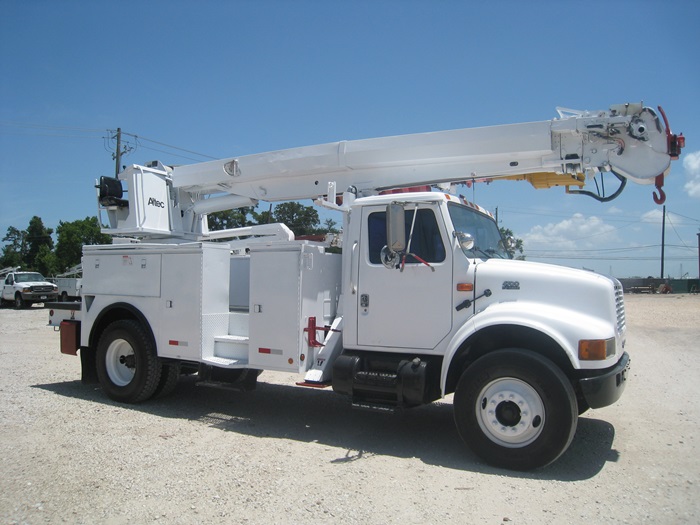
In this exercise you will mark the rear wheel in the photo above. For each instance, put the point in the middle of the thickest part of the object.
(127, 365)
(516, 409)
(169, 376)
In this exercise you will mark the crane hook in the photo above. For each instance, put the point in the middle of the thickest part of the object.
(661, 197)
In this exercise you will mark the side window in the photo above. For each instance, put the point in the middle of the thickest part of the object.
(426, 241)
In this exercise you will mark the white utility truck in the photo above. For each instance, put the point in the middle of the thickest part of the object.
(22, 289)
(422, 302)
(69, 283)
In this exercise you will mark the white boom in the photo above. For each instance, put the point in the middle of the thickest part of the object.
(628, 141)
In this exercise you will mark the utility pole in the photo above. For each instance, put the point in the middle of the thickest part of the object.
(118, 156)
(663, 240)
(698, 255)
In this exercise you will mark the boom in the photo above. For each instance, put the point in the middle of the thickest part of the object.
(629, 141)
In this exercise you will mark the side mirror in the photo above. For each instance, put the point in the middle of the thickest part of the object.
(466, 241)
(396, 228)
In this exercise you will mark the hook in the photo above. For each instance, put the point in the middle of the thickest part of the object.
(661, 197)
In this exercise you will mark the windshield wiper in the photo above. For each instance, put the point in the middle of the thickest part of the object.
(494, 252)
(484, 253)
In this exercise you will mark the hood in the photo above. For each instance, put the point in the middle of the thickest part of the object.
(513, 280)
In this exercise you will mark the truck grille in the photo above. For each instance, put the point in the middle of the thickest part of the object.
(42, 288)
(620, 307)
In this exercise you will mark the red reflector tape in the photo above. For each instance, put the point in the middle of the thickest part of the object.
(173, 342)
(275, 351)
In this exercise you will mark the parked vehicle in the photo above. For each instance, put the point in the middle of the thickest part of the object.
(424, 300)
(26, 288)
(69, 284)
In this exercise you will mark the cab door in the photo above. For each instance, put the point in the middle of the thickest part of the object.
(408, 307)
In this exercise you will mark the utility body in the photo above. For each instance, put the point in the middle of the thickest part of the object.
(69, 284)
(423, 301)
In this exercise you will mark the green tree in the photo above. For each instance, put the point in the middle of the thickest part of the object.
(38, 236)
(329, 226)
(263, 217)
(46, 261)
(223, 220)
(515, 250)
(72, 236)
(14, 252)
(302, 220)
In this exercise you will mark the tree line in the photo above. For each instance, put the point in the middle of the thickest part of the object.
(34, 249)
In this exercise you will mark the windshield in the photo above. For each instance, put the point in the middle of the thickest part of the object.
(487, 239)
(28, 277)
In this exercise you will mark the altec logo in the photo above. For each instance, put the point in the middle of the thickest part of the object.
(156, 203)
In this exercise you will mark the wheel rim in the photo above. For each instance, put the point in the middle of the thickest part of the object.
(510, 412)
(120, 362)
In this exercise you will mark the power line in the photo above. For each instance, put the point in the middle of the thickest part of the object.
(138, 138)
(49, 127)
(47, 130)
(630, 220)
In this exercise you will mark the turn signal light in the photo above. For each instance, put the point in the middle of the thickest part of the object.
(465, 287)
(595, 349)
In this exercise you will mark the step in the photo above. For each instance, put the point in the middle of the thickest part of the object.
(225, 362)
(236, 339)
(231, 347)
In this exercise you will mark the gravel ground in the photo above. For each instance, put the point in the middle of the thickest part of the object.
(285, 454)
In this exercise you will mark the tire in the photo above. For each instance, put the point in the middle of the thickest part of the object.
(127, 365)
(515, 409)
(20, 303)
(63, 297)
(169, 376)
(582, 404)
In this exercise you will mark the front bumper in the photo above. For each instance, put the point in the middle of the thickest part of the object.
(38, 297)
(606, 388)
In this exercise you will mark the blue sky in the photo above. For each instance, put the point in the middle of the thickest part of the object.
(233, 78)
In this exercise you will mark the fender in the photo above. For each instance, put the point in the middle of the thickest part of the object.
(109, 313)
(564, 326)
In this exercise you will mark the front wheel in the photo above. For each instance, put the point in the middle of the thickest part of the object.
(127, 365)
(20, 303)
(515, 409)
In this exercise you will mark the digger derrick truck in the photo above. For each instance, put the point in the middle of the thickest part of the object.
(422, 302)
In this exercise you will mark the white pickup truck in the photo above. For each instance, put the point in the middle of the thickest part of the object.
(26, 288)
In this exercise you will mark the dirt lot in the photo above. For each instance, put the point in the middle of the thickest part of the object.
(285, 454)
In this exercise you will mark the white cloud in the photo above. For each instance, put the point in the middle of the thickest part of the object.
(653, 216)
(691, 164)
(578, 232)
